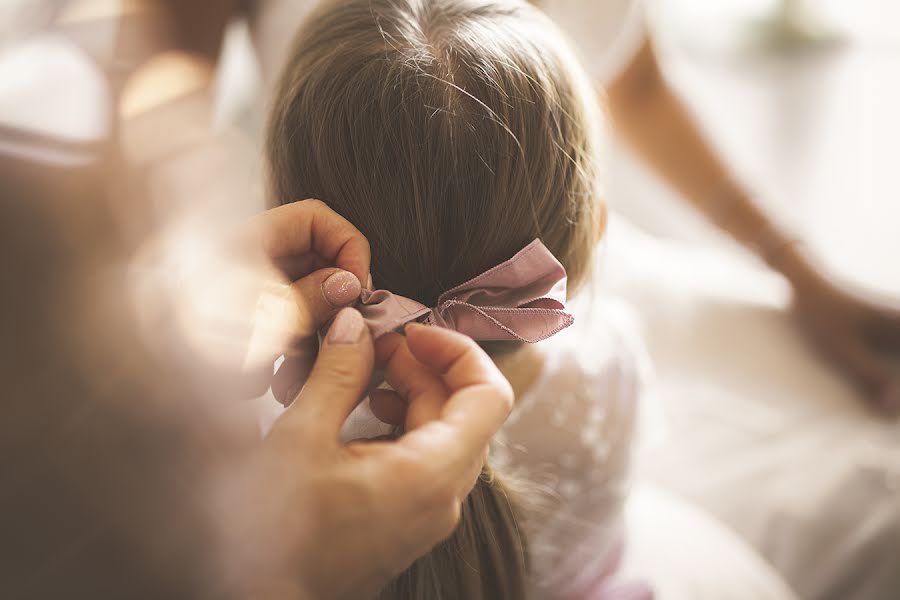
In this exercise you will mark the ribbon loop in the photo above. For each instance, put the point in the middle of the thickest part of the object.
(521, 299)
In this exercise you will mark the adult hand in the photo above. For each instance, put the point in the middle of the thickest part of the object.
(323, 258)
(319, 255)
(855, 332)
(263, 290)
(325, 520)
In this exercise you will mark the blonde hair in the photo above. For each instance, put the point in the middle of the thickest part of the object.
(451, 133)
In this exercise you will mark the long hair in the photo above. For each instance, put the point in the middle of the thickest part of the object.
(451, 133)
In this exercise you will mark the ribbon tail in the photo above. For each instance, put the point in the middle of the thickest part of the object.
(506, 324)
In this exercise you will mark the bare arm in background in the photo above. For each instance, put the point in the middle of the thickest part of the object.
(179, 43)
(846, 327)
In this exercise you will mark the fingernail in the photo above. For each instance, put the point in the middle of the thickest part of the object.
(347, 327)
(341, 288)
(369, 284)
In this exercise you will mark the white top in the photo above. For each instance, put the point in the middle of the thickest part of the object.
(570, 440)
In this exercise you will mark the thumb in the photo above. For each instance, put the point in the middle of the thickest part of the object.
(338, 379)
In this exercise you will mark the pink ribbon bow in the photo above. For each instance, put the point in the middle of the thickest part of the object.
(521, 299)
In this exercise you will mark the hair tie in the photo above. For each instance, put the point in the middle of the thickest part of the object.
(521, 299)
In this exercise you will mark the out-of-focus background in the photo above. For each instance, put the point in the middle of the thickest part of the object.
(802, 99)
(802, 103)
(805, 112)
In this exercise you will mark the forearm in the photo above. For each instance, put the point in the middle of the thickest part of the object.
(651, 118)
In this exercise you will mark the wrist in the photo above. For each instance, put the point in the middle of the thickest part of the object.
(790, 258)
(733, 210)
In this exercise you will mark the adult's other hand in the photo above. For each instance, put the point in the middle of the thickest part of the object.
(325, 520)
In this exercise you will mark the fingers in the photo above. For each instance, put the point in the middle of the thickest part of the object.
(317, 298)
(311, 226)
(388, 407)
(422, 388)
(452, 446)
(337, 381)
(481, 396)
(463, 399)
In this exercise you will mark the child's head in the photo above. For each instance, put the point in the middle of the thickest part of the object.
(451, 133)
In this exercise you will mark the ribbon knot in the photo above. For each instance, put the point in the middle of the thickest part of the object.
(521, 299)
